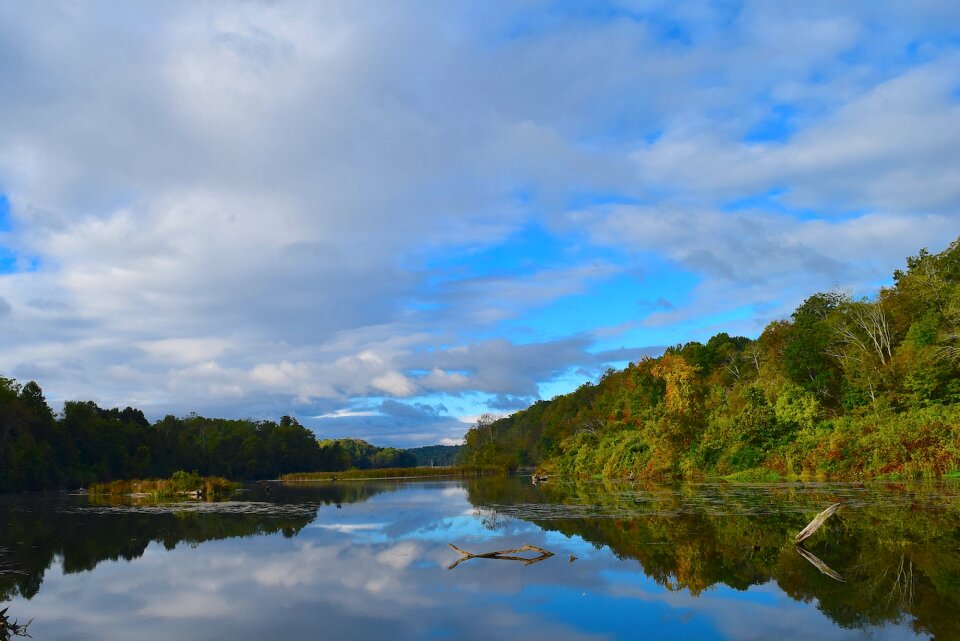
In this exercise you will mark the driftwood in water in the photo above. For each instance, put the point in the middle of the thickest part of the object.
(820, 565)
(815, 524)
(502, 555)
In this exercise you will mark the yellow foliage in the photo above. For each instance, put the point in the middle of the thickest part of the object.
(681, 379)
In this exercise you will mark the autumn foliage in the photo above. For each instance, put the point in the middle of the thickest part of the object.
(844, 388)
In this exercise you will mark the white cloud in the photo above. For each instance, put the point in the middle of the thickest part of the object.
(394, 383)
(185, 350)
(891, 148)
(236, 209)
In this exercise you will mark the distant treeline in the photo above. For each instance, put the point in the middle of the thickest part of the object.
(436, 455)
(351, 453)
(845, 388)
(379, 473)
(86, 444)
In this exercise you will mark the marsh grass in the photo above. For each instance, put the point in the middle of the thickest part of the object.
(180, 484)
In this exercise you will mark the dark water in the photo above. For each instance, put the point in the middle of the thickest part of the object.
(370, 561)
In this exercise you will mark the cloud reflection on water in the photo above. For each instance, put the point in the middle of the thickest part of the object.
(377, 569)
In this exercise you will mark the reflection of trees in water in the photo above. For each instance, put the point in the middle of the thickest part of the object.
(84, 539)
(318, 492)
(36, 530)
(490, 518)
(897, 548)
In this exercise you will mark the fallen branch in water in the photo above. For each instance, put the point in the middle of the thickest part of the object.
(815, 524)
(820, 565)
(10, 628)
(502, 555)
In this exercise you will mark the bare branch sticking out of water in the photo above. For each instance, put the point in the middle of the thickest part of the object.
(820, 565)
(502, 555)
(815, 524)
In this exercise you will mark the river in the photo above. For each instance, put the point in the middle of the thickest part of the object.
(370, 560)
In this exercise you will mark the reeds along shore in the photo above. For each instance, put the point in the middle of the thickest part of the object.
(179, 485)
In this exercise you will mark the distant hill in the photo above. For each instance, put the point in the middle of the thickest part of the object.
(353, 453)
(436, 455)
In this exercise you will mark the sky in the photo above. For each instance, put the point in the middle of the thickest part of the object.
(387, 218)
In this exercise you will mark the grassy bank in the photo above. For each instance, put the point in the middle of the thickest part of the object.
(179, 485)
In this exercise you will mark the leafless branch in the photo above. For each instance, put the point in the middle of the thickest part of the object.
(502, 555)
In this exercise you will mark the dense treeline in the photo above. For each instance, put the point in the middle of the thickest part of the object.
(87, 444)
(844, 388)
(436, 455)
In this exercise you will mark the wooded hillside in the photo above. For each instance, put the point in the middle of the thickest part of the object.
(843, 388)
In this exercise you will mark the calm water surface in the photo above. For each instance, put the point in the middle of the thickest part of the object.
(371, 561)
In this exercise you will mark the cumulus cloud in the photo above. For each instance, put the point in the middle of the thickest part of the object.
(891, 148)
(394, 423)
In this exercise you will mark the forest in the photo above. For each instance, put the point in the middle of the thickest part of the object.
(844, 388)
(85, 444)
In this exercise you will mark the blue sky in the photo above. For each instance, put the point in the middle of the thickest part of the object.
(390, 219)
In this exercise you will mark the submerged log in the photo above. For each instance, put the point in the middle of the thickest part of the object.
(815, 524)
(502, 555)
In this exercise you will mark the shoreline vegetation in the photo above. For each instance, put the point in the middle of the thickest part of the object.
(180, 485)
(845, 389)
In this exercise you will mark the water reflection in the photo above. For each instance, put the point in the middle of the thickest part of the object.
(891, 555)
(80, 532)
(696, 562)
